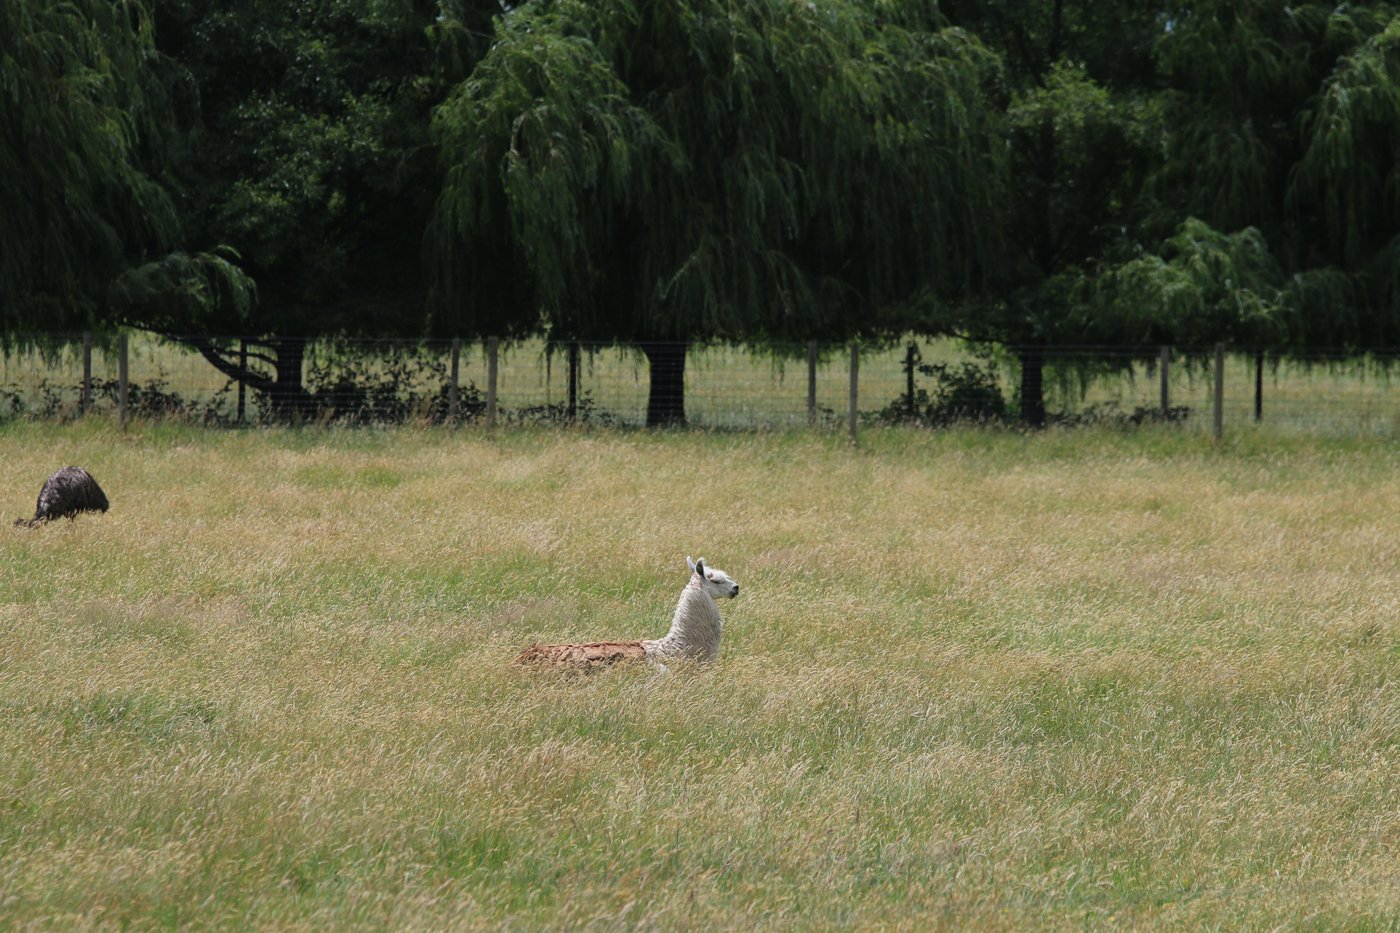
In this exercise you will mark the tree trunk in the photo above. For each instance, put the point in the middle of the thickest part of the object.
(284, 391)
(286, 394)
(666, 399)
(1032, 386)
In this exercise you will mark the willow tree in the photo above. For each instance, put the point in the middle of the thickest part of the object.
(664, 173)
(1285, 129)
(1349, 175)
(90, 125)
(79, 207)
(1083, 127)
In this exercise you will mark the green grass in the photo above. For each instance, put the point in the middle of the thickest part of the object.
(975, 679)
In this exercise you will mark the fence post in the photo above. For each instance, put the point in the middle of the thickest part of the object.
(911, 358)
(86, 402)
(454, 397)
(1218, 422)
(1259, 385)
(242, 385)
(492, 350)
(121, 382)
(1164, 362)
(811, 383)
(855, 381)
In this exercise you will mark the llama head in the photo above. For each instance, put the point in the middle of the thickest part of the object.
(715, 582)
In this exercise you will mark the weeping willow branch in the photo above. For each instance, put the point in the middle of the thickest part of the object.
(767, 170)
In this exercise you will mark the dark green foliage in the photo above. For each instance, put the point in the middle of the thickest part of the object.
(310, 155)
(312, 160)
(80, 95)
(585, 412)
(1084, 134)
(1199, 287)
(964, 393)
(93, 134)
(1074, 172)
(1110, 413)
(1194, 171)
(647, 171)
(393, 385)
(182, 293)
(51, 401)
(661, 173)
(1286, 120)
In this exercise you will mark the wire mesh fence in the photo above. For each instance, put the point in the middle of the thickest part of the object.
(935, 383)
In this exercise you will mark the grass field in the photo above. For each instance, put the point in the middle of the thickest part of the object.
(975, 679)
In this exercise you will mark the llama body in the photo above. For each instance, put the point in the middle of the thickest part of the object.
(67, 492)
(694, 635)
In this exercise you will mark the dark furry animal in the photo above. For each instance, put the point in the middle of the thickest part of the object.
(69, 491)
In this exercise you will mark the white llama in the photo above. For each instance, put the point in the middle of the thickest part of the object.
(695, 630)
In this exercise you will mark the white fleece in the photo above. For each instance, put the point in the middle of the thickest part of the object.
(695, 628)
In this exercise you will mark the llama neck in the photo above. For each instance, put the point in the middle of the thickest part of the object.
(695, 628)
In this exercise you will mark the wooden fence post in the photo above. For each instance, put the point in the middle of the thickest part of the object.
(242, 386)
(86, 401)
(492, 352)
(121, 382)
(911, 359)
(1218, 422)
(855, 381)
(1259, 385)
(811, 383)
(1164, 362)
(454, 397)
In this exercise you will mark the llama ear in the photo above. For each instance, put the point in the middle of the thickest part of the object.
(690, 563)
(700, 566)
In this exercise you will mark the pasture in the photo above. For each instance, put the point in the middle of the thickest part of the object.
(974, 679)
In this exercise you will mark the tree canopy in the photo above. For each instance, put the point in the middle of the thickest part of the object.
(311, 161)
(1084, 131)
(663, 173)
(657, 174)
(1288, 121)
(79, 103)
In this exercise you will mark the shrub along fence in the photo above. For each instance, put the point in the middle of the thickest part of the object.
(833, 386)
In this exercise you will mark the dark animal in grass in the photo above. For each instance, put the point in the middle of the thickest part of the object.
(69, 491)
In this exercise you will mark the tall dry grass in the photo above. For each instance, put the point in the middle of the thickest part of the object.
(975, 679)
